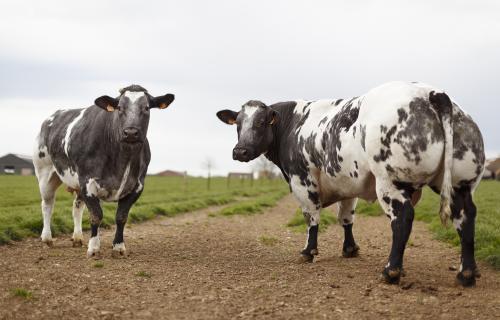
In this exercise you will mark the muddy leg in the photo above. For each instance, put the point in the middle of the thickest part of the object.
(395, 199)
(463, 216)
(124, 206)
(346, 218)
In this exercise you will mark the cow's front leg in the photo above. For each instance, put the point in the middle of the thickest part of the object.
(307, 194)
(396, 202)
(95, 212)
(124, 206)
(346, 218)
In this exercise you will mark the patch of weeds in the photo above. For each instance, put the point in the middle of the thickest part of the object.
(268, 240)
(23, 293)
(143, 274)
(98, 264)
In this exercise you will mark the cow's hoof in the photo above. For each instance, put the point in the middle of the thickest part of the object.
(391, 276)
(48, 241)
(119, 251)
(467, 278)
(96, 255)
(307, 257)
(77, 242)
(350, 252)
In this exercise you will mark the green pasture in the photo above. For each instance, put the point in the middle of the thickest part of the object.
(20, 214)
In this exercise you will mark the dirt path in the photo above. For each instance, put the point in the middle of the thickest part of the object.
(199, 267)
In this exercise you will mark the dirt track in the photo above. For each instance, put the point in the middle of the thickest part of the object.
(196, 266)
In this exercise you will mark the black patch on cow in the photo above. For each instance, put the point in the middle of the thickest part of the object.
(386, 143)
(386, 199)
(355, 174)
(389, 168)
(467, 137)
(342, 121)
(406, 187)
(362, 128)
(354, 131)
(415, 126)
(325, 119)
(41, 155)
(338, 101)
(314, 197)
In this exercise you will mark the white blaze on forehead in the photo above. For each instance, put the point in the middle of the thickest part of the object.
(250, 110)
(134, 95)
(69, 129)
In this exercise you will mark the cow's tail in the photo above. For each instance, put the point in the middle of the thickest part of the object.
(442, 104)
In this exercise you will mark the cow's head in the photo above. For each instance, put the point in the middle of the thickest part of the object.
(254, 125)
(132, 111)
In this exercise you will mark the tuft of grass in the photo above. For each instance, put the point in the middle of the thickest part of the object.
(143, 274)
(268, 241)
(254, 206)
(298, 223)
(98, 264)
(23, 293)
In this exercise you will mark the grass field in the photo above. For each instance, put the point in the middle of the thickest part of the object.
(20, 214)
(487, 202)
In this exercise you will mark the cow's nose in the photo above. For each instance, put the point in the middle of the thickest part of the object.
(240, 153)
(131, 133)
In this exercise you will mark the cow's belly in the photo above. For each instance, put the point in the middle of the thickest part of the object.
(70, 179)
(341, 187)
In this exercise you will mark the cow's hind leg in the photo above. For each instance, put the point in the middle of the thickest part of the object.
(78, 208)
(346, 217)
(463, 215)
(124, 206)
(395, 199)
(48, 182)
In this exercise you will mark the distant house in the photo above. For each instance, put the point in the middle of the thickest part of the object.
(171, 173)
(240, 175)
(493, 166)
(16, 164)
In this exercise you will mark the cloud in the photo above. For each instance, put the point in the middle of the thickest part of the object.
(219, 54)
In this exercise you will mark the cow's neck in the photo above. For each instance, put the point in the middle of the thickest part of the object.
(280, 131)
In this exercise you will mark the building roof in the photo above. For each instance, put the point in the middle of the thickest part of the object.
(11, 159)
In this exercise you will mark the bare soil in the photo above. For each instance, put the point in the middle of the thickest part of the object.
(199, 267)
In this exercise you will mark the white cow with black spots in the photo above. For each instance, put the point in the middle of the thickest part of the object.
(386, 144)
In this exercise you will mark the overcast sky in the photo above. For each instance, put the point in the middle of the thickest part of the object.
(219, 54)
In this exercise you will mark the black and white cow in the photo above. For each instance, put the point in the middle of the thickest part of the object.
(101, 153)
(387, 145)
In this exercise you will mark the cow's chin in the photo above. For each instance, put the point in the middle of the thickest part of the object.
(132, 144)
(247, 158)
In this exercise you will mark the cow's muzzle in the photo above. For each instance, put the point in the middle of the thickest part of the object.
(241, 154)
(132, 135)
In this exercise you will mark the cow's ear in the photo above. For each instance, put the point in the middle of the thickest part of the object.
(162, 102)
(227, 116)
(107, 103)
(274, 117)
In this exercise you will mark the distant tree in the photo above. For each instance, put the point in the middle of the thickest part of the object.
(209, 165)
(264, 167)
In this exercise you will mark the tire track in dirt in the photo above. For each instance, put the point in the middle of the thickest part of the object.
(194, 266)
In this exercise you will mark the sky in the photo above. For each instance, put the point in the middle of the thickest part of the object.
(216, 55)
